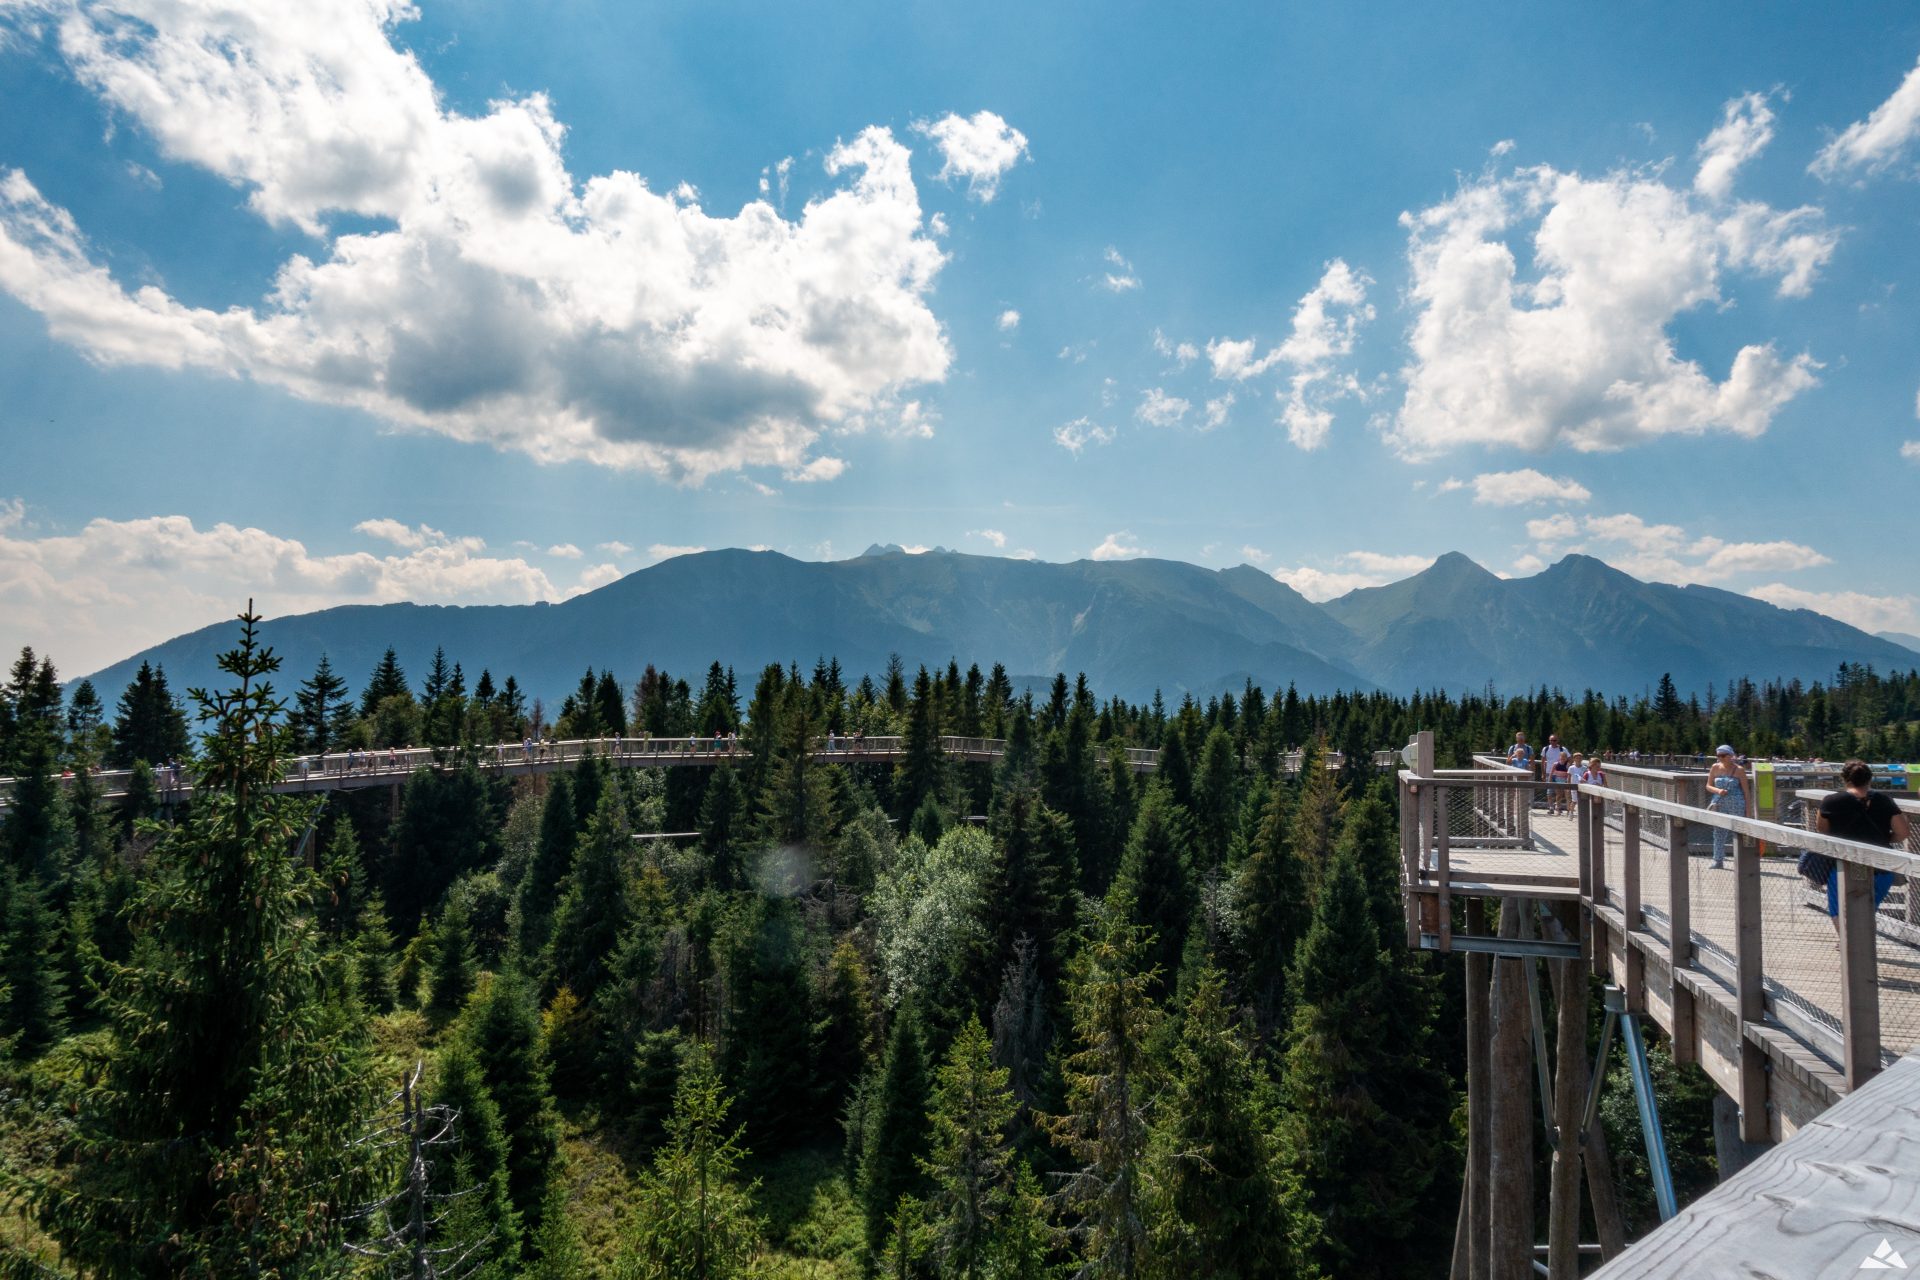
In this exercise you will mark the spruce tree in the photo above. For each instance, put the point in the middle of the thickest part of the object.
(694, 1212)
(1216, 800)
(33, 963)
(1155, 884)
(843, 1028)
(387, 681)
(895, 1131)
(1274, 912)
(1109, 1080)
(555, 1248)
(479, 1146)
(969, 1161)
(1176, 768)
(322, 711)
(502, 1027)
(454, 972)
(342, 890)
(598, 903)
(919, 773)
(216, 1137)
(1361, 1163)
(373, 958)
(552, 861)
(1031, 893)
(149, 724)
(36, 837)
(1218, 1206)
(1317, 815)
(722, 829)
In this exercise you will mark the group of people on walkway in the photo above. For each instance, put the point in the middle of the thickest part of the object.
(1855, 812)
(1565, 769)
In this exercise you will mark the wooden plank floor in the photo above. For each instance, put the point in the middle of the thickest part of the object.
(1800, 956)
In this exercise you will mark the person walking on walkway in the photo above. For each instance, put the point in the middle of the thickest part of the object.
(1861, 813)
(1520, 754)
(1558, 762)
(1729, 793)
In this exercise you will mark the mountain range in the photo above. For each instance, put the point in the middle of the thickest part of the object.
(1133, 626)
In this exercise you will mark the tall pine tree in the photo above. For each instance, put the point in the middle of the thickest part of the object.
(216, 1139)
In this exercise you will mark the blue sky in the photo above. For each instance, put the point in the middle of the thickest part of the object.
(484, 303)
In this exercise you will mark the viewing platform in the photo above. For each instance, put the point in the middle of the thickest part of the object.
(1787, 1009)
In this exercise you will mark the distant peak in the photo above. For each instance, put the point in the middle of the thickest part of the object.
(895, 549)
(1457, 564)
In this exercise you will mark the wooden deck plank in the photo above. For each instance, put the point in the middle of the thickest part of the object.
(1816, 1207)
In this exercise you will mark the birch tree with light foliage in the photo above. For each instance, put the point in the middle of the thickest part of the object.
(929, 909)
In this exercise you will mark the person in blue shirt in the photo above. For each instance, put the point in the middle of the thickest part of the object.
(1520, 754)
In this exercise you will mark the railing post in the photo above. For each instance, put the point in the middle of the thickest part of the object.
(1859, 974)
(1410, 857)
(1679, 941)
(1583, 842)
(1442, 849)
(1636, 976)
(1748, 990)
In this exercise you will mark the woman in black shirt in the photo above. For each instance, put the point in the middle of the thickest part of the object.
(1863, 814)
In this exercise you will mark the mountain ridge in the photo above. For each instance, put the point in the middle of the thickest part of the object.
(1134, 626)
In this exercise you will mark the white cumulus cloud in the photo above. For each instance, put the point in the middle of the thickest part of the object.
(1326, 323)
(1009, 320)
(1122, 278)
(1160, 409)
(980, 148)
(1352, 570)
(994, 536)
(1875, 144)
(1578, 353)
(615, 548)
(1117, 546)
(1081, 432)
(1745, 128)
(91, 597)
(485, 293)
(1856, 608)
(666, 551)
(1667, 552)
(1525, 488)
(565, 551)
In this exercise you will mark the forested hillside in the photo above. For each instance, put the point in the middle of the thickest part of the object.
(787, 1018)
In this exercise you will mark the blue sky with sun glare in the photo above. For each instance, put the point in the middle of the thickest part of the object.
(353, 301)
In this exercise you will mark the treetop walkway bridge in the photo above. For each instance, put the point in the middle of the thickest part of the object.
(1787, 1009)
(391, 767)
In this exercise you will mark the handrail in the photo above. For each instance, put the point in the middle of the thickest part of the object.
(1759, 829)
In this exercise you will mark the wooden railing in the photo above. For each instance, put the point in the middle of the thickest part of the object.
(1754, 936)
(393, 765)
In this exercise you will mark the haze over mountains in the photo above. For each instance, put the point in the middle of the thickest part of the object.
(1133, 626)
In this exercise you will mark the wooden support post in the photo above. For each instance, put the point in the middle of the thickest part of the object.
(1510, 1168)
(1427, 800)
(1684, 1044)
(1569, 1107)
(1608, 1220)
(1749, 994)
(1479, 1093)
(1859, 974)
(1635, 983)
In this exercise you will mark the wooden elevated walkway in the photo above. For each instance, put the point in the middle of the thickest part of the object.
(1787, 1009)
(391, 767)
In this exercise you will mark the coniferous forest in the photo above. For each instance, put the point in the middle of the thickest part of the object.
(783, 1017)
